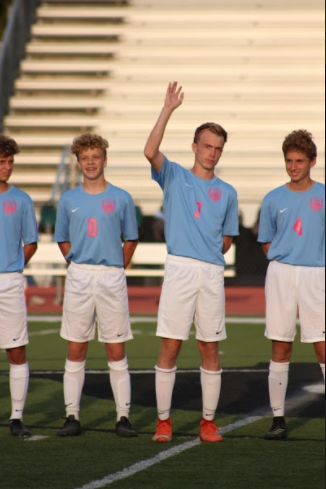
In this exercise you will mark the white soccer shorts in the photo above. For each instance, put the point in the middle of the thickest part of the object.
(193, 291)
(289, 289)
(96, 294)
(13, 311)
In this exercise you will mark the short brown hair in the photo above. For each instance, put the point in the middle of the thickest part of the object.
(8, 146)
(301, 141)
(212, 127)
(88, 140)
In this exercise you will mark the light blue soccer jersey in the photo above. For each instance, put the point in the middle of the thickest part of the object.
(294, 222)
(198, 213)
(96, 225)
(17, 227)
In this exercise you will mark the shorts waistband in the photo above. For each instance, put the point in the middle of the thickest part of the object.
(11, 274)
(279, 264)
(94, 268)
(191, 261)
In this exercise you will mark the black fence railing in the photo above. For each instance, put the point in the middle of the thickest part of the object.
(17, 33)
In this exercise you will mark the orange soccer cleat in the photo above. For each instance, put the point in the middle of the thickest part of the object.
(209, 432)
(164, 432)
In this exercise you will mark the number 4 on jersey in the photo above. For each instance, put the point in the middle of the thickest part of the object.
(298, 227)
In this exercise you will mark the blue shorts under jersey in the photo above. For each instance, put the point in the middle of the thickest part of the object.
(198, 213)
(96, 225)
(294, 222)
(17, 226)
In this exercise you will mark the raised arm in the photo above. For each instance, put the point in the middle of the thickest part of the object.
(174, 98)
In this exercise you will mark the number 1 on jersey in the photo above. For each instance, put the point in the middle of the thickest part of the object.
(92, 228)
(298, 227)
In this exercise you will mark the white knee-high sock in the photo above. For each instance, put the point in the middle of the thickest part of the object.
(165, 382)
(121, 387)
(19, 382)
(278, 383)
(322, 366)
(211, 383)
(73, 383)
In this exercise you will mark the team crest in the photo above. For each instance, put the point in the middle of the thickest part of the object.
(10, 207)
(108, 206)
(215, 194)
(317, 203)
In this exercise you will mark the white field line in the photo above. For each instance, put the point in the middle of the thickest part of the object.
(145, 372)
(44, 332)
(37, 438)
(148, 372)
(161, 457)
(153, 319)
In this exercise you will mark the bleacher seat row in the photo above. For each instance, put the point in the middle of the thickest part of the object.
(256, 67)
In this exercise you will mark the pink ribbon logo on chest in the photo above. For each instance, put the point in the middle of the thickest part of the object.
(108, 206)
(215, 194)
(10, 207)
(317, 203)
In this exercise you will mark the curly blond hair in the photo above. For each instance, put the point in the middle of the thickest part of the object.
(89, 141)
(301, 141)
(8, 146)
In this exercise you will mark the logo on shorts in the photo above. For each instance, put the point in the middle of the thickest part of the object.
(215, 194)
(10, 207)
(317, 203)
(108, 206)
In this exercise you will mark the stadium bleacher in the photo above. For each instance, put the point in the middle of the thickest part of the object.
(256, 67)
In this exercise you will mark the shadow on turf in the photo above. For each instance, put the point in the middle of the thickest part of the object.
(184, 435)
(242, 393)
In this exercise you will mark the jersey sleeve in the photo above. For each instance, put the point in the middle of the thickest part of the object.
(62, 234)
(267, 225)
(231, 222)
(129, 223)
(29, 224)
(166, 174)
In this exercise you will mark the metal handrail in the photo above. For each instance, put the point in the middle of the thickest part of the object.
(17, 33)
(63, 178)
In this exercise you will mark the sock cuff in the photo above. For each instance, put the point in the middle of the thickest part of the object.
(119, 366)
(166, 371)
(322, 365)
(279, 367)
(19, 371)
(211, 372)
(74, 367)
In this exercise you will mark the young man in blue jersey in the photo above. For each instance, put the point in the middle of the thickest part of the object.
(17, 227)
(201, 219)
(292, 231)
(92, 221)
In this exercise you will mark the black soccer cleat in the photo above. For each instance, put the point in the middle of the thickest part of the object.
(278, 430)
(72, 427)
(18, 429)
(124, 429)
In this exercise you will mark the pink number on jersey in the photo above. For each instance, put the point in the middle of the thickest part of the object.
(298, 228)
(199, 205)
(92, 228)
